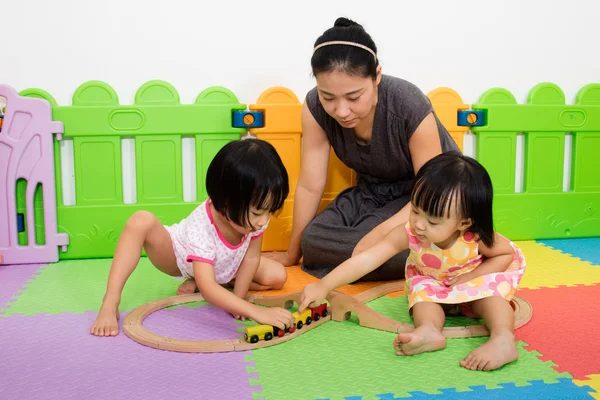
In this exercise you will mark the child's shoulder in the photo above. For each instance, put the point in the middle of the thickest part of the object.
(200, 219)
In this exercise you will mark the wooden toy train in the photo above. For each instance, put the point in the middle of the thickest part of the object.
(255, 333)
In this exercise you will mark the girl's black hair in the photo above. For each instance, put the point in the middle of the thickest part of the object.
(349, 59)
(246, 173)
(454, 179)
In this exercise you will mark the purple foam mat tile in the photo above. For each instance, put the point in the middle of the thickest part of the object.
(199, 323)
(13, 278)
(55, 357)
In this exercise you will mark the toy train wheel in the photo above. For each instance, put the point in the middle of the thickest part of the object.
(253, 339)
(292, 329)
(324, 313)
(300, 324)
(317, 317)
(281, 332)
(268, 336)
(308, 320)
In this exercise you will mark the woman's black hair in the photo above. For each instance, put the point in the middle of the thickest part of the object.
(454, 179)
(349, 59)
(246, 173)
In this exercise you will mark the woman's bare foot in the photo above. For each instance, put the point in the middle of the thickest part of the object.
(106, 323)
(496, 352)
(424, 338)
(187, 287)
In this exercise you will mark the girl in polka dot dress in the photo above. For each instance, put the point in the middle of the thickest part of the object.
(218, 244)
(456, 262)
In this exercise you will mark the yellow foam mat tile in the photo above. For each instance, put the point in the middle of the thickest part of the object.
(551, 268)
(593, 382)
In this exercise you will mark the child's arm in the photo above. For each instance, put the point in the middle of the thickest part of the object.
(356, 267)
(218, 296)
(498, 259)
(248, 268)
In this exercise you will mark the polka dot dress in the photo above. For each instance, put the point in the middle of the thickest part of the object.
(428, 267)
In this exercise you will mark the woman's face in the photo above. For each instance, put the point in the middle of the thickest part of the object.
(347, 98)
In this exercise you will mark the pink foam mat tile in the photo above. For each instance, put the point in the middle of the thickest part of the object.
(14, 278)
(55, 357)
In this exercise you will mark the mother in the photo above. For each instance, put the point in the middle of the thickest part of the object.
(382, 127)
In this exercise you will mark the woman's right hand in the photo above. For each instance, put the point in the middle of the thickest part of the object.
(275, 316)
(282, 257)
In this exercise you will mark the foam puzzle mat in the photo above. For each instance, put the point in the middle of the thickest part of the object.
(46, 351)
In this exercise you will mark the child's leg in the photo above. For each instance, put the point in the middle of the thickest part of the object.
(142, 230)
(500, 349)
(429, 321)
(270, 275)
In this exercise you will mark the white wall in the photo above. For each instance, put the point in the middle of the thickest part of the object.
(249, 46)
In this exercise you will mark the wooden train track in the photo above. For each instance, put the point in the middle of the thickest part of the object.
(341, 308)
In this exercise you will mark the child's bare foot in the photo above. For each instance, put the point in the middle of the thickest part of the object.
(496, 352)
(187, 287)
(423, 339)
(106, 323)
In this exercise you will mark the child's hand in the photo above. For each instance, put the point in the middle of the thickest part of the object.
(457, 280)
(240, 317)
(312, 296)
(275, 316)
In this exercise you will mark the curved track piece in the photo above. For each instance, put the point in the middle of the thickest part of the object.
(133, 327)
(341, 307)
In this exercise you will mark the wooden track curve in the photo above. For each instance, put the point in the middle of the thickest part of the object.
(341, 307)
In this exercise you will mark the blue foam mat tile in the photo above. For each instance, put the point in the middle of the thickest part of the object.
(586, 249)
(564, 389)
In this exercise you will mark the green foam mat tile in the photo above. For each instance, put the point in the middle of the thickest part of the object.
(340, 359)
(76, 286)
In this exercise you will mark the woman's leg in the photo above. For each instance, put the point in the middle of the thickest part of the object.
(142, 231)
(331, 236)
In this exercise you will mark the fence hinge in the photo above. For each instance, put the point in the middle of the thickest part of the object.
(248, 119)
(471, 118)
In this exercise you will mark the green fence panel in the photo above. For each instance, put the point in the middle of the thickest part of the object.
(98, 172)
(157, 122)
(158, 169)
(544, 151)
(207, 146)
(586, 145)
(543, 210)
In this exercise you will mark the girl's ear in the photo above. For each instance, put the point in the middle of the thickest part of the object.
(465, 224)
